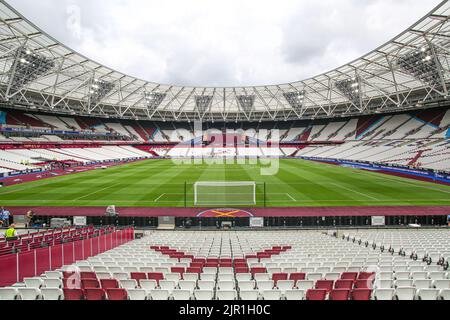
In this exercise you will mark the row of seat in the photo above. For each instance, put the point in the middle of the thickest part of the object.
(198, 294)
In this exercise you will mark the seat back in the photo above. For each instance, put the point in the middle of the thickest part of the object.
(95, 294)
(316, 294)
(339, 294)
(117, 294)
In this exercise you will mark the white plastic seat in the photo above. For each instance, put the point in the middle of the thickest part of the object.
(404, 283)
(384, 294)
(52, 294)
(167, 285)
(121, 276)
(9, 294)
(437, 275)
(128, 284)
(226, 295)
(427, 294)
(53, 275)
(444, 294)
(190, 276)
(423, 283)
(103, 275)
(137, 294)
(225, 277)
(188, 285)
(271, 294)
(246, 285)
(247, 295)
(265, 285)
(332, 276)
(441, 284)
(33, 282)
(314, 276)
(159, 294)
(204, 295)
(51, 283)
(206, 285)
(208, 276)
(262, 276)
(284, 285)
(225, 285)
(243, 276)
(180, 294)
(148, 284)
(305, 284)
(29, 293)
(294, 294)
(405, 293)
(384, 284)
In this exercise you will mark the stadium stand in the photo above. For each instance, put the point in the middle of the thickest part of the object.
(250, 265)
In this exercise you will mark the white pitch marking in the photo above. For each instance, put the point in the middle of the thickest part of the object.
(97, 191)
(351, 190)
(291, 197)
(157, 199)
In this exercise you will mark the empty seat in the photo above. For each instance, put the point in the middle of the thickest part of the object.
(284, 285)
(441, 284)
(294, 294)
(90, 283)
(95, 294)
(73, 294)
(305, 285)
(384, 294)
(325, 285)
(265, 285)
(29, 293)
(137, 294)
(316, 294)
(225, 285)
(52, 283)
(159, 294)
(248, 295)
(206, 285)
(405, 293)
(271, 294)
(204, 294)
(181, 294)
(226, 295)
(52, 294)
(427, 294)
(339, 294)
(361, 294)
(116, 294)
(33, 282)
(128, 284)
(247, 285)
(444, 294)
(344, 284)
(148, 284)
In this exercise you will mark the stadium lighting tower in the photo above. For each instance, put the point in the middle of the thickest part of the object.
(423, 64)
(296, 100)
(27, 67)
(351, 88)
(153, 100)
(247, 103)
(98, 89)
(203, 104)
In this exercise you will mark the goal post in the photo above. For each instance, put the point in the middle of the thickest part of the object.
(221, 193)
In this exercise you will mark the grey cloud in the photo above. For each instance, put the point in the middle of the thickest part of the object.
(225, 44)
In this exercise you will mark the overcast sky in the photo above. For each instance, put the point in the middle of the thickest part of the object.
(226, 42)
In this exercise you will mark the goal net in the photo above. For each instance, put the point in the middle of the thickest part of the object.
(225, 193)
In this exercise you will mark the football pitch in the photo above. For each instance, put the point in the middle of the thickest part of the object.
(162, 183)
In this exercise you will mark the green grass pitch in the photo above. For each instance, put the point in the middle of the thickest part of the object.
(161, 183)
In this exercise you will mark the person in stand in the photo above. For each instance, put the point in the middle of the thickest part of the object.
(5, 216)
(11, 232)
(30, 218)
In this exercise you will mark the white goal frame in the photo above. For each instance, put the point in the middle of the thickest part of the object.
(224, 184)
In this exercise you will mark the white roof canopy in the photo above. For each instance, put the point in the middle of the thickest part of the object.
(39, 73)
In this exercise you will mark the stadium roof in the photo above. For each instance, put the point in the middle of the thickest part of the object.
(39, 73)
